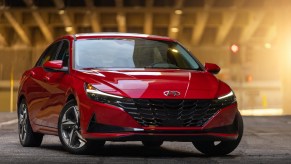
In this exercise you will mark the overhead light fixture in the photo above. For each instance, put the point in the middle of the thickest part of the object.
(178, 12)
(174, 29)
(268, 45)
(61, 11)
(121, 19)
(174, 50)
(69, 29)
(33, 7)
(234, 48)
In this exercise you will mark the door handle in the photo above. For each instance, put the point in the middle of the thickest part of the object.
(46, 79)
(31, 73)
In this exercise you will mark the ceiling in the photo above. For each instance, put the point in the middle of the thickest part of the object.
(193, 22)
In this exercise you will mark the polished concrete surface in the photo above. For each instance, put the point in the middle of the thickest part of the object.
(266, 140)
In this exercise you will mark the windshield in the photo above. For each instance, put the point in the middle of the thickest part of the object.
(132, 53)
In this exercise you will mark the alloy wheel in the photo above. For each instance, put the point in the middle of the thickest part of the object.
(23, 122)
(70, 128)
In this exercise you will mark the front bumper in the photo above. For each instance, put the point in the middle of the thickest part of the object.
(111, 133)
(105, 122)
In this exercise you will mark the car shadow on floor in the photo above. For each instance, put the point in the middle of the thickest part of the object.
(124, 150)
(53, 147)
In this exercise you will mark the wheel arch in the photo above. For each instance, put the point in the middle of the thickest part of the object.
(71, 97)
(72, 94)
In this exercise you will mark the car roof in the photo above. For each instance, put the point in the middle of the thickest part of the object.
(119, 35)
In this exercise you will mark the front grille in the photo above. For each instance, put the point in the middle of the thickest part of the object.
(177, 113)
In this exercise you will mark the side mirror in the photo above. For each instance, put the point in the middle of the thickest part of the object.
(212, 68)
(55, 65)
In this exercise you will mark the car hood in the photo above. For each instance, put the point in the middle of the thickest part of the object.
(153, 83)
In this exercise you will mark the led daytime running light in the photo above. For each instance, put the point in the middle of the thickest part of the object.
(91, 89)
(227, 95)
(101, 93)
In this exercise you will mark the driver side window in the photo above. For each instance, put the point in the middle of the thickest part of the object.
(56, 51)
(49, 54)
(64, 53)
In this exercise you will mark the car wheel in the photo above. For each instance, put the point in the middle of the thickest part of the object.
(69, 132)
(219, 148)
(27, 137)
(152, 143)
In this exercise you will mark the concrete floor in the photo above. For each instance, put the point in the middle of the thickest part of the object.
(266, 140)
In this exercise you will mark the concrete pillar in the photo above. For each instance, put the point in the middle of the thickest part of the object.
(284, 47)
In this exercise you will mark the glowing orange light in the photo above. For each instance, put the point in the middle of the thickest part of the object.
(178, 12)
(268, 45)
(249, 78)
(69, 29)
(175, 29)
(61, 11)
(89, 86)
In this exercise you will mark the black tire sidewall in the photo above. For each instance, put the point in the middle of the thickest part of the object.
(31, 139)
(225, 147)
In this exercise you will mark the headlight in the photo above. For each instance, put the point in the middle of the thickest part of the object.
(102, 97)
(226, 100)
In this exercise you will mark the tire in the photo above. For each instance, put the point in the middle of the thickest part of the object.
(152, 144)
(210, 148)
(27, 137)
(69, 132)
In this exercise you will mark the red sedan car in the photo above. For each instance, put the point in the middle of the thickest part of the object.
(92, 88)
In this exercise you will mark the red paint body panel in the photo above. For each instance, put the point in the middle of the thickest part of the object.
(109, 136)
(213, 68)
(55, 64)
(148, 83)
(46, 93)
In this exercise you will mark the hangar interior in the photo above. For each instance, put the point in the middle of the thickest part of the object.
(249, 40)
